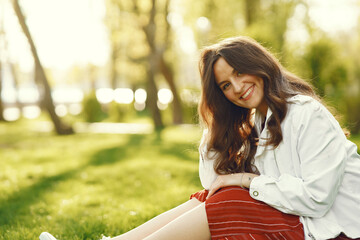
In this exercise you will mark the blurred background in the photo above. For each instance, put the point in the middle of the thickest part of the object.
(98, 109)
(68, 63)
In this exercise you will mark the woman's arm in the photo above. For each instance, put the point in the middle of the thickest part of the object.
(207, 173)
(236, 179)
(210, 180)
(319, 144)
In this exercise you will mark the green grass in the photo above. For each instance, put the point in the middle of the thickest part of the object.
(85, 185)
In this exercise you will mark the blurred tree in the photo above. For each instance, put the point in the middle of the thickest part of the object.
(2, 53)
(1, 101)
(60, 127)
(7, 63)
(270, 27)
(332, 65)
(352, 88)
(149, 29)
(265, 21)
(352, 112)
(150, 40)
(251, 11)
(114, 22)
(317, 56)
(92, 110)
(16, 83)
(227, 18)
(166, 69)
(91, 71)
(326, 67)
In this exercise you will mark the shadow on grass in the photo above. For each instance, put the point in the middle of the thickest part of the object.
(180, 150)
(108, 156)
(19, 203)
(113, 155)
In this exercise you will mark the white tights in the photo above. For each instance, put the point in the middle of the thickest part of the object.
(186, 221)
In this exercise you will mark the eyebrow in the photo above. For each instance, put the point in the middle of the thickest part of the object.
(222, 82)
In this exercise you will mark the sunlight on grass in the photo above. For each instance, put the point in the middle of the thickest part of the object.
(85, 185)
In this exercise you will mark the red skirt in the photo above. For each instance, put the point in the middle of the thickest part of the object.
(233, 215)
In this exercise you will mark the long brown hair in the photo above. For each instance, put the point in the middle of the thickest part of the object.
(232, 134)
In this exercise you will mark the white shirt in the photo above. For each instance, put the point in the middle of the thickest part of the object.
(314, 172)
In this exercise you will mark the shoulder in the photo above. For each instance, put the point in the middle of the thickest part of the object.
(301, 104)
(305, 110)
(302, 100)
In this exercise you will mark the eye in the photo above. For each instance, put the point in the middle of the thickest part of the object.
(225, 86)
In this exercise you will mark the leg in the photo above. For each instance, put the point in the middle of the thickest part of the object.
(158, 222)
(192, 225)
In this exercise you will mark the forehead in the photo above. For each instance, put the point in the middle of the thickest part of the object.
(222, 70)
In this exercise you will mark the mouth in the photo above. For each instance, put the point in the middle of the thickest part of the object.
(247, 94)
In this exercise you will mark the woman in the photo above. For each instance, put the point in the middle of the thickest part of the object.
(274, 162)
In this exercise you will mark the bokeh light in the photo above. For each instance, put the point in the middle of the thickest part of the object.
(123, 95)
(140, 96)
(28, 95)
(31, 112)
(61, 110)
(203, 24)
(11, 114)
(165, 96)
(105, 95)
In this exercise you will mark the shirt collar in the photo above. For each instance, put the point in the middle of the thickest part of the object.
(259, 119)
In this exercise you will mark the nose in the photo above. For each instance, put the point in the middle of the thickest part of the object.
(237, 85)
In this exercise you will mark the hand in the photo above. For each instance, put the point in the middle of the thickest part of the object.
(236, 179)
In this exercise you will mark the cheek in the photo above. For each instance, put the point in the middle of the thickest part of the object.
(228, 95)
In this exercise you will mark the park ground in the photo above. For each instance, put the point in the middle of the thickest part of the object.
(87, 184)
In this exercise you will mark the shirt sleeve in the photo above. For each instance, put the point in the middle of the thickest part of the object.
(320, 145)
(206, 164)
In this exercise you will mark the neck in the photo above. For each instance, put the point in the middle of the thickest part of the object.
(262, 109)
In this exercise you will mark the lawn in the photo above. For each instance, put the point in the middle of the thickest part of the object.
(85, 185)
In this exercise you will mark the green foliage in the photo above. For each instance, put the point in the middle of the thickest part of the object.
(84, 185)
(352, 113)
(270, 26)
(190, 113)
(332, 75)
(356, 139)
(323, 61)
(120, 112)
(92, 110)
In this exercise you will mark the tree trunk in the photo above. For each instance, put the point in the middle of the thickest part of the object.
(16, 85)
(169, 76)
(251, 10)
(2, 53)
(114, 23)
(152, 94)
(113, 68)
(1, 102)
(150, 30)
(168, 73)
(60, 127)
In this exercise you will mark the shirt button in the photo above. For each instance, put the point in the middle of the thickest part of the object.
(255, 193)
(311, 236)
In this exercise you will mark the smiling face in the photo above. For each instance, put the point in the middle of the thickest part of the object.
(244, 90)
